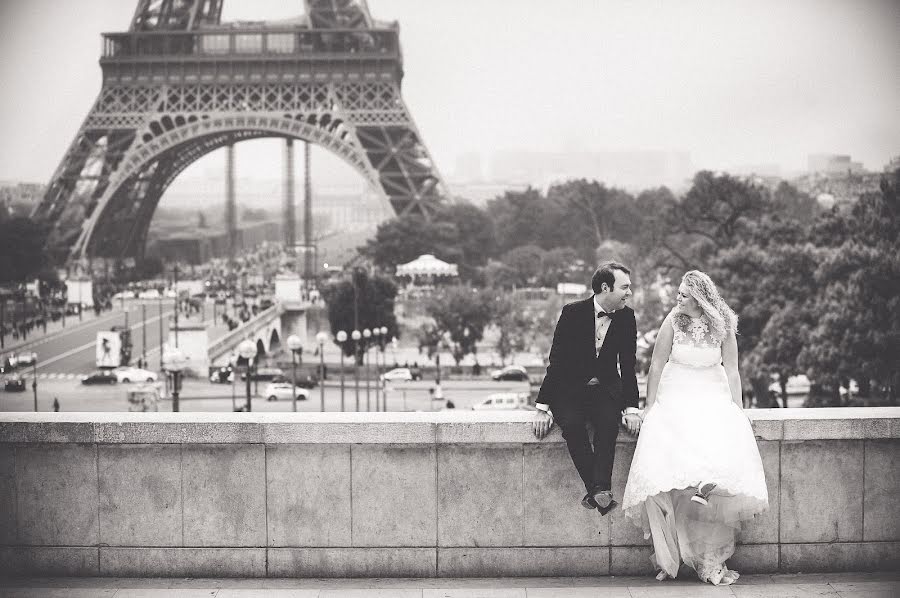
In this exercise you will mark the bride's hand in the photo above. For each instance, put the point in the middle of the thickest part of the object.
(633, 423)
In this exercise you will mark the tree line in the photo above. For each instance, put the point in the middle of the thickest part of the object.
(817, 290)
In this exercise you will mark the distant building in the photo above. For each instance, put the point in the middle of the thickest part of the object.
(196, 249)
(833, 164)
(893, 165)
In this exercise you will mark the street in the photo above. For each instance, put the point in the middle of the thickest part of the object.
(200, 395)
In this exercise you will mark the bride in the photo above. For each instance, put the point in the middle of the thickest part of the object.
(696, 472)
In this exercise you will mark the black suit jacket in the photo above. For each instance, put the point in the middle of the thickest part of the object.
(573, 359)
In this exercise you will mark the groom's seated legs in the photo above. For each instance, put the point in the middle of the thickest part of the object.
(574, 430)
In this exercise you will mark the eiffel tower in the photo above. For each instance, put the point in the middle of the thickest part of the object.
(180, 83)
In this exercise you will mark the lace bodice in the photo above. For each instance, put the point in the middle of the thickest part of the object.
(693, 345)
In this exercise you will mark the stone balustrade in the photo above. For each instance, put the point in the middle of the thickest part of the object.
(403, 494)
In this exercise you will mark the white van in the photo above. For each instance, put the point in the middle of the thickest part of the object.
(503, 400)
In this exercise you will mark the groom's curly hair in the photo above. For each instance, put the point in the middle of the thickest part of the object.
(606, 273)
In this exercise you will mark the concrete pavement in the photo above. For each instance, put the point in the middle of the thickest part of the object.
(834, 585)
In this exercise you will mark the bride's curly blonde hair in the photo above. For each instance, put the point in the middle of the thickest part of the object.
(721, 318)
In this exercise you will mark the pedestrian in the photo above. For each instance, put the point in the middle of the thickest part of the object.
(55, 404)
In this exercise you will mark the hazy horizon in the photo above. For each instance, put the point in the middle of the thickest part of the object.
(729, 84)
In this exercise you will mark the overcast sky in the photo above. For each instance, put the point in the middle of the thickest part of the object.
(731, 82)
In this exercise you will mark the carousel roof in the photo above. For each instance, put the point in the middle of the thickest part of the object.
(427, 265)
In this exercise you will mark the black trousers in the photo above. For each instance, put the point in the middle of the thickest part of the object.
(596, 406)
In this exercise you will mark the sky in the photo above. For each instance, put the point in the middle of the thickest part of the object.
(731, 82)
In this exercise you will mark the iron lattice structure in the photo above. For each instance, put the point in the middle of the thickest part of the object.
(180, 84)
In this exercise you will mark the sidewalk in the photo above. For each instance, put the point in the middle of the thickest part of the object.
(834, 585)
(36, 336)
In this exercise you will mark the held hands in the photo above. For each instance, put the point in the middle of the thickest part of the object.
(541, 424)
(632, 423)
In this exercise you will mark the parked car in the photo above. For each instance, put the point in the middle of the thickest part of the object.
(796, 385)
(222, 375)
(304, 379)
(133, 374)
(515, 373)
(26, 359)
(398, 374)
(503, 401)
(14, 384)
(264, 374)
(100, 377)
(149, 294)
(282, 390)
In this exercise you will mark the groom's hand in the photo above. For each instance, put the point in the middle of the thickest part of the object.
(541, 424)
(633, 423)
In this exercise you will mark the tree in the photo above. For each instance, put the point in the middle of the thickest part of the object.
(462, 312)
(521, 217)
(22, 254)
(525, 263)
(595, 213)
(361, 301)
(858, 329)
(403, 239)
(475, 233)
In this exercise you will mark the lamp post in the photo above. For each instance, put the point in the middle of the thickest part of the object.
(376, 332)
(341, 339)
(367, 334)
(321, 337)
(34, 378)
(356, 335)
(294, 344)
(384, 332)
(247, 350)
(175, 361)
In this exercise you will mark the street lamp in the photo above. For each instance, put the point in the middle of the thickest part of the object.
(341, 339)
(367, 334)
(294, 344)
(321, 337)
(34, 378)
(247, 350)
(356, 335)
(384, 332)
(376, 332)
(175, 361)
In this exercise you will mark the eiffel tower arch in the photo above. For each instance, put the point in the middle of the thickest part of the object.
(180, 83)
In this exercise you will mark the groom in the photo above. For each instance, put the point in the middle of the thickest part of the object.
(591, 379)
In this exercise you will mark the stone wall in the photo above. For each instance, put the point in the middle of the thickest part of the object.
(402, 494)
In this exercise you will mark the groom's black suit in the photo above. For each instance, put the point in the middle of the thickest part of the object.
(573, 398)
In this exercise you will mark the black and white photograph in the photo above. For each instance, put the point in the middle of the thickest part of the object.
(449, 299)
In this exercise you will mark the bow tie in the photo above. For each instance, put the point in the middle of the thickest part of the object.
(604, 314)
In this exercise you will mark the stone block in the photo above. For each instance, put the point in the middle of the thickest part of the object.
(622, 532)
(484, 432)
(358, 432)
(224, 495)
(763, 529)
(631, 560)
(7, 494)
(49, 561)
(47, 431)
(140, 495)
(308, 494)
(552, 501)
(754, 558)
(394, 499)
(835, 557)
(768, 429)
(821, 491)
(882, 480)
(587, 561)
(182, 562)
(825, 429)
(188, 432)
(352, 562)
(479, 495)
(877, 428)
(56, 499)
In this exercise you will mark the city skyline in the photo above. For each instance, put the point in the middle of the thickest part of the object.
(727, 85)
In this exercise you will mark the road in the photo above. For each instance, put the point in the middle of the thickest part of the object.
(201, 395)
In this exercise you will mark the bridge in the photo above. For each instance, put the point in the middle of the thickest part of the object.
(180, 83)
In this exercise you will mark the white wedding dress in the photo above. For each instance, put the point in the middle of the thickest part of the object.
(694, 433)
